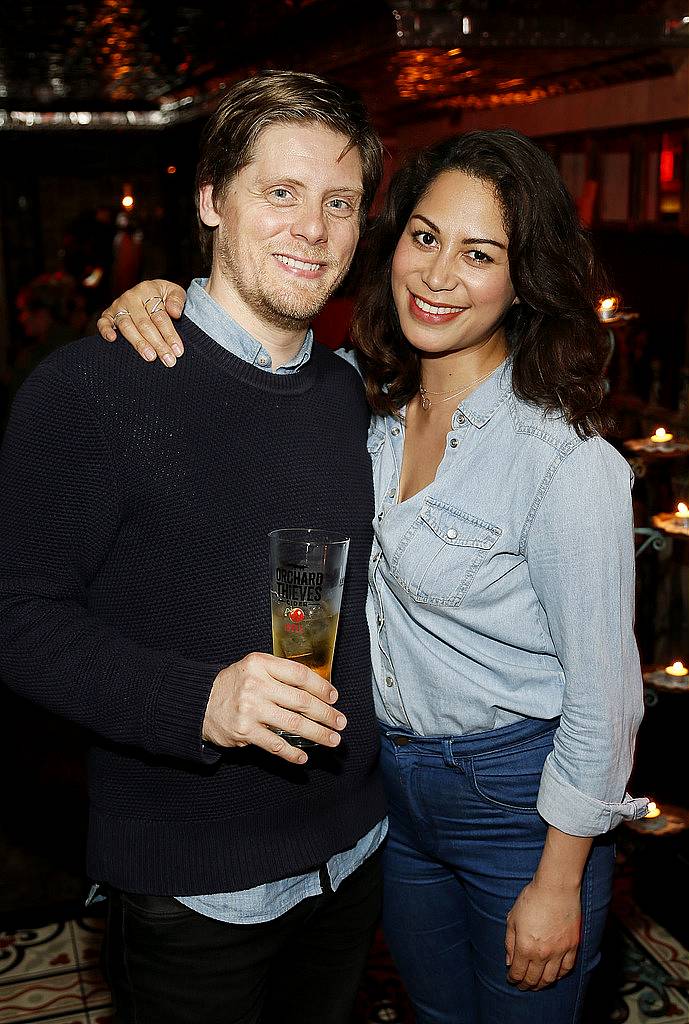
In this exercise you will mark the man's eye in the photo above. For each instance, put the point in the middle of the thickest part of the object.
(340, 204)
(281, 193)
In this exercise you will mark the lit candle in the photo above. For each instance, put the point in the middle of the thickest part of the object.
(661, 435)
(653, 810)
(682, 513)
(677, 669)
(608, 308)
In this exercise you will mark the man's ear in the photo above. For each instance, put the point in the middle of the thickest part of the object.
(207, 211)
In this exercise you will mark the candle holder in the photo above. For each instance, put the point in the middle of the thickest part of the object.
(608, 310)
(611, 311)
(665, 447)
(682, 513)
(670, 522)
(673, 678)
(670, 820)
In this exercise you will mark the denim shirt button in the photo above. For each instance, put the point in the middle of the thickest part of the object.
(395, 431)
(461, 418)
(454, 442)
(451, 534)
(381, 620)
(389, 681)
(381, 514)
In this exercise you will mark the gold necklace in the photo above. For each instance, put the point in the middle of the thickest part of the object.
(426, 402)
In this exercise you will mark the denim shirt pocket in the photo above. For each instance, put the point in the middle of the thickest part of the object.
(438, 557)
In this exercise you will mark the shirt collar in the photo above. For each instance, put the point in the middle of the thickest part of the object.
(488, 396)
(211, 318)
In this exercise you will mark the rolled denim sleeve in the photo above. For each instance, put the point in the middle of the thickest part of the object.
(580, 554)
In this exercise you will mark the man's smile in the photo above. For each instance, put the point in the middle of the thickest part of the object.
(298, 267)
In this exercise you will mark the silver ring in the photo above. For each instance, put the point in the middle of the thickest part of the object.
(120, 312)
(160, 302)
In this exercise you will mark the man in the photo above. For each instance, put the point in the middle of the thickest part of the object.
(243, 873)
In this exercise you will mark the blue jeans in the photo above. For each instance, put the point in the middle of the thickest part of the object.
(465, 838)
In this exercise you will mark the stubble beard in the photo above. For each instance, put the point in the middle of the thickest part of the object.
(284, 310)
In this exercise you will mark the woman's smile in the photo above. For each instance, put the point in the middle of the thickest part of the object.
(428, 312)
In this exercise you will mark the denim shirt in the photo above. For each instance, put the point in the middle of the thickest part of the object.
(504, 590)
(271, 900)
(219, 325)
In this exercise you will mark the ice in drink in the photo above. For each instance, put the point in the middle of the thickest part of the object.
(307, 574)
(306, 635)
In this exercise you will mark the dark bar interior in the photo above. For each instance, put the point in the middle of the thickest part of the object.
(102, 108)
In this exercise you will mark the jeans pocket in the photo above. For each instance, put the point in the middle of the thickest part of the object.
(511, 778)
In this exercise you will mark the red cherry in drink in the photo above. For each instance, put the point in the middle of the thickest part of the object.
(296, 615)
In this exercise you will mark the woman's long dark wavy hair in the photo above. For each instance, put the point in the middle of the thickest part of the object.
(557, 347)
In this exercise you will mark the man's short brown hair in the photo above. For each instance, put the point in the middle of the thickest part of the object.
(281, 97)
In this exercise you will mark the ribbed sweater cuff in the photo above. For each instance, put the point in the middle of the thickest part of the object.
(179, 710)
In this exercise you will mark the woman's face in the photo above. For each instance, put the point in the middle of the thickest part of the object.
(450, 274)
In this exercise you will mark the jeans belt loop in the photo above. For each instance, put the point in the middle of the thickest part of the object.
(448, 755)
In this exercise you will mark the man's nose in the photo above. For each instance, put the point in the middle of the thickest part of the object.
(310, 225)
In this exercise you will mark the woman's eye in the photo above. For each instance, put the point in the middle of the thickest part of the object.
(281, 193)
(477, 256)
(426, 239)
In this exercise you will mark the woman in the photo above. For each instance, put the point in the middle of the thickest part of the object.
(501, 589)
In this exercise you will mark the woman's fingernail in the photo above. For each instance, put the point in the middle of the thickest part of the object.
(149, 353)
(341, 721)
(335, 738)
(169, 359)
(177, 349)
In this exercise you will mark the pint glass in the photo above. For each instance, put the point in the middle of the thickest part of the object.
(307, 573)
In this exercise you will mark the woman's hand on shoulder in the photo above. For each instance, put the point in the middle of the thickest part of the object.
(542, 937)
(142, 316)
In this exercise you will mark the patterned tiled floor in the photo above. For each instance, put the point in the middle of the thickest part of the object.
(50, 975)
(654, 980)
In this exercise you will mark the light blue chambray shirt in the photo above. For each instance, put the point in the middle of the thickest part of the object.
(504, 590)
(271, 900)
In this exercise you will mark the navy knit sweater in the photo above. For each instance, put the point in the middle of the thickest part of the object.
(135, 504)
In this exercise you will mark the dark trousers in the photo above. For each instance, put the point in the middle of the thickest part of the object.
(167, 964)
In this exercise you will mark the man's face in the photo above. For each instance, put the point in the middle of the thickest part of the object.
(287, 226)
